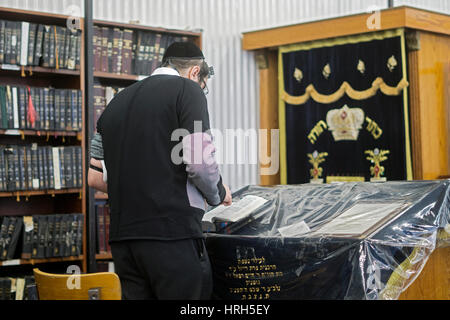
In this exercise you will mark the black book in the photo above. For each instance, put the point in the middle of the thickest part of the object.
(38, 47)
(8, 40)
(56, 235)
(51, 178)
(79, 241)
(14, 43)
(27, 237)
(63, 236)
(35, 166)
(2, 170)
(78, 52)
(16, 167)
(79, 162)
(18, 32)
(22, 168)
(73, 234)
(17, 231)
(2, 40)
(80, 110)
(42, 231)
(68, 110)
(8, 238)
(7, 288)
(41, 168)
(74, 109)
(60, 47)
(9, 168)
(44, 114)
(32, 34)
(3, 235)
(3, 113)
(35, 237)
(49, 236)
(9, 107)
(29, 168)
(57, 109)
(45, 167)
(46, 47)
(62, 109)
(68, 167)
(71, 62)
(22, 107)
(52, 47)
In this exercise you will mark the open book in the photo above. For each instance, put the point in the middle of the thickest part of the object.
(238, 211)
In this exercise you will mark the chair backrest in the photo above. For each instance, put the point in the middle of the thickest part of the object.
(91, 286)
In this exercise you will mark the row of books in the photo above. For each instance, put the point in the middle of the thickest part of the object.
(16, 288)
(31, 44)
(103, 216)
(33, 167)
(35, 108)
(41, 236)
(102, 96)
(126, 51)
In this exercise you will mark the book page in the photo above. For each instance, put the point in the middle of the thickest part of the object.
(236, 211)
(360, 218)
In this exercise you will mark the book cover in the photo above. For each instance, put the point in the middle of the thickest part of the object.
(38, 47)
(49, 236)
(27, 237)
(18, 225)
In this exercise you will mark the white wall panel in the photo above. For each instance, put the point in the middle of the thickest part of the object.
(233, 98)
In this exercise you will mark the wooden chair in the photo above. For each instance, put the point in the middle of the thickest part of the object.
(91, 286)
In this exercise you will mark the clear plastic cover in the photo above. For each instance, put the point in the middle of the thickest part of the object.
(332, 241)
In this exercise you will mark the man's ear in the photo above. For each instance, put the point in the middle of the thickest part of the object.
(194, 72)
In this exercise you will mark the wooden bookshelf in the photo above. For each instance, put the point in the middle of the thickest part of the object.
(45, 202)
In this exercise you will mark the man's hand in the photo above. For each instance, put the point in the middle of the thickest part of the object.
(228, 200)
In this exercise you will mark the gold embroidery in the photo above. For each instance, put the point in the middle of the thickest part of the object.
(377, 156)
(361, 66)
(326, 71)
(345, 123)
(298, 75)
(331, 179)
(345, 88)
(373, 128)
(392, 63)
(317, 131)
(315, 159)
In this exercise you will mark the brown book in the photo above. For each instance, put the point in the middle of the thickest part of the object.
(99, 103)
(100, 228)
(104, 63)
(155, 58)
(126, 51)
(116, 64)
(97, 43)
(107, 223)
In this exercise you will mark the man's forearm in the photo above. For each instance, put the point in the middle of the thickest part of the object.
(95, 176)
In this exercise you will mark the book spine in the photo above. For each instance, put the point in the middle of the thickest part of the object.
(2, 170)
(22, 107)
(110, 49)
(29, 166)
(15, 101)
(45, 165)
(38, 45)
(155, 58)
(35, 237)
(4, 115)
(104, 63)
(49, 236)
(9, 168)
(7, 237)
(51, 178)
(27, 237)
(31, 43)
(79, 155)
(62, 168)
(74, 110)
(16, 167)
(46, 47)
(22, 168)
(35, 166)
(68, 167)
(8, 39)
(63, 235)
(126, 49)
(62, 110)
(79, 242)
(78, 52)
(2, 40)
(25, 34)
(15, 238)
(14, 42)
(71, 63)
(56, 168)
(52, 47)
(73, 235)
(61, 32)
(42, 236)
(56, 236)
(80, 109)
(41, 161)
(101, 227)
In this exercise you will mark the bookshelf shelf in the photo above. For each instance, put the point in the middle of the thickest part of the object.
(36, 71)
(23, 133)
(103, 256)
(38, 193)
(17, 262)
(114, 76)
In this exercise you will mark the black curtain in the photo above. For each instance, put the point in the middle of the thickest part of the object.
(359, 64)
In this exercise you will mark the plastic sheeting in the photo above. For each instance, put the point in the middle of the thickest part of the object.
(338, 241)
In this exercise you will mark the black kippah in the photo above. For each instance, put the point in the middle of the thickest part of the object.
(186, 50)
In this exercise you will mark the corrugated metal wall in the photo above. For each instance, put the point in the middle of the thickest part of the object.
(233, 98)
